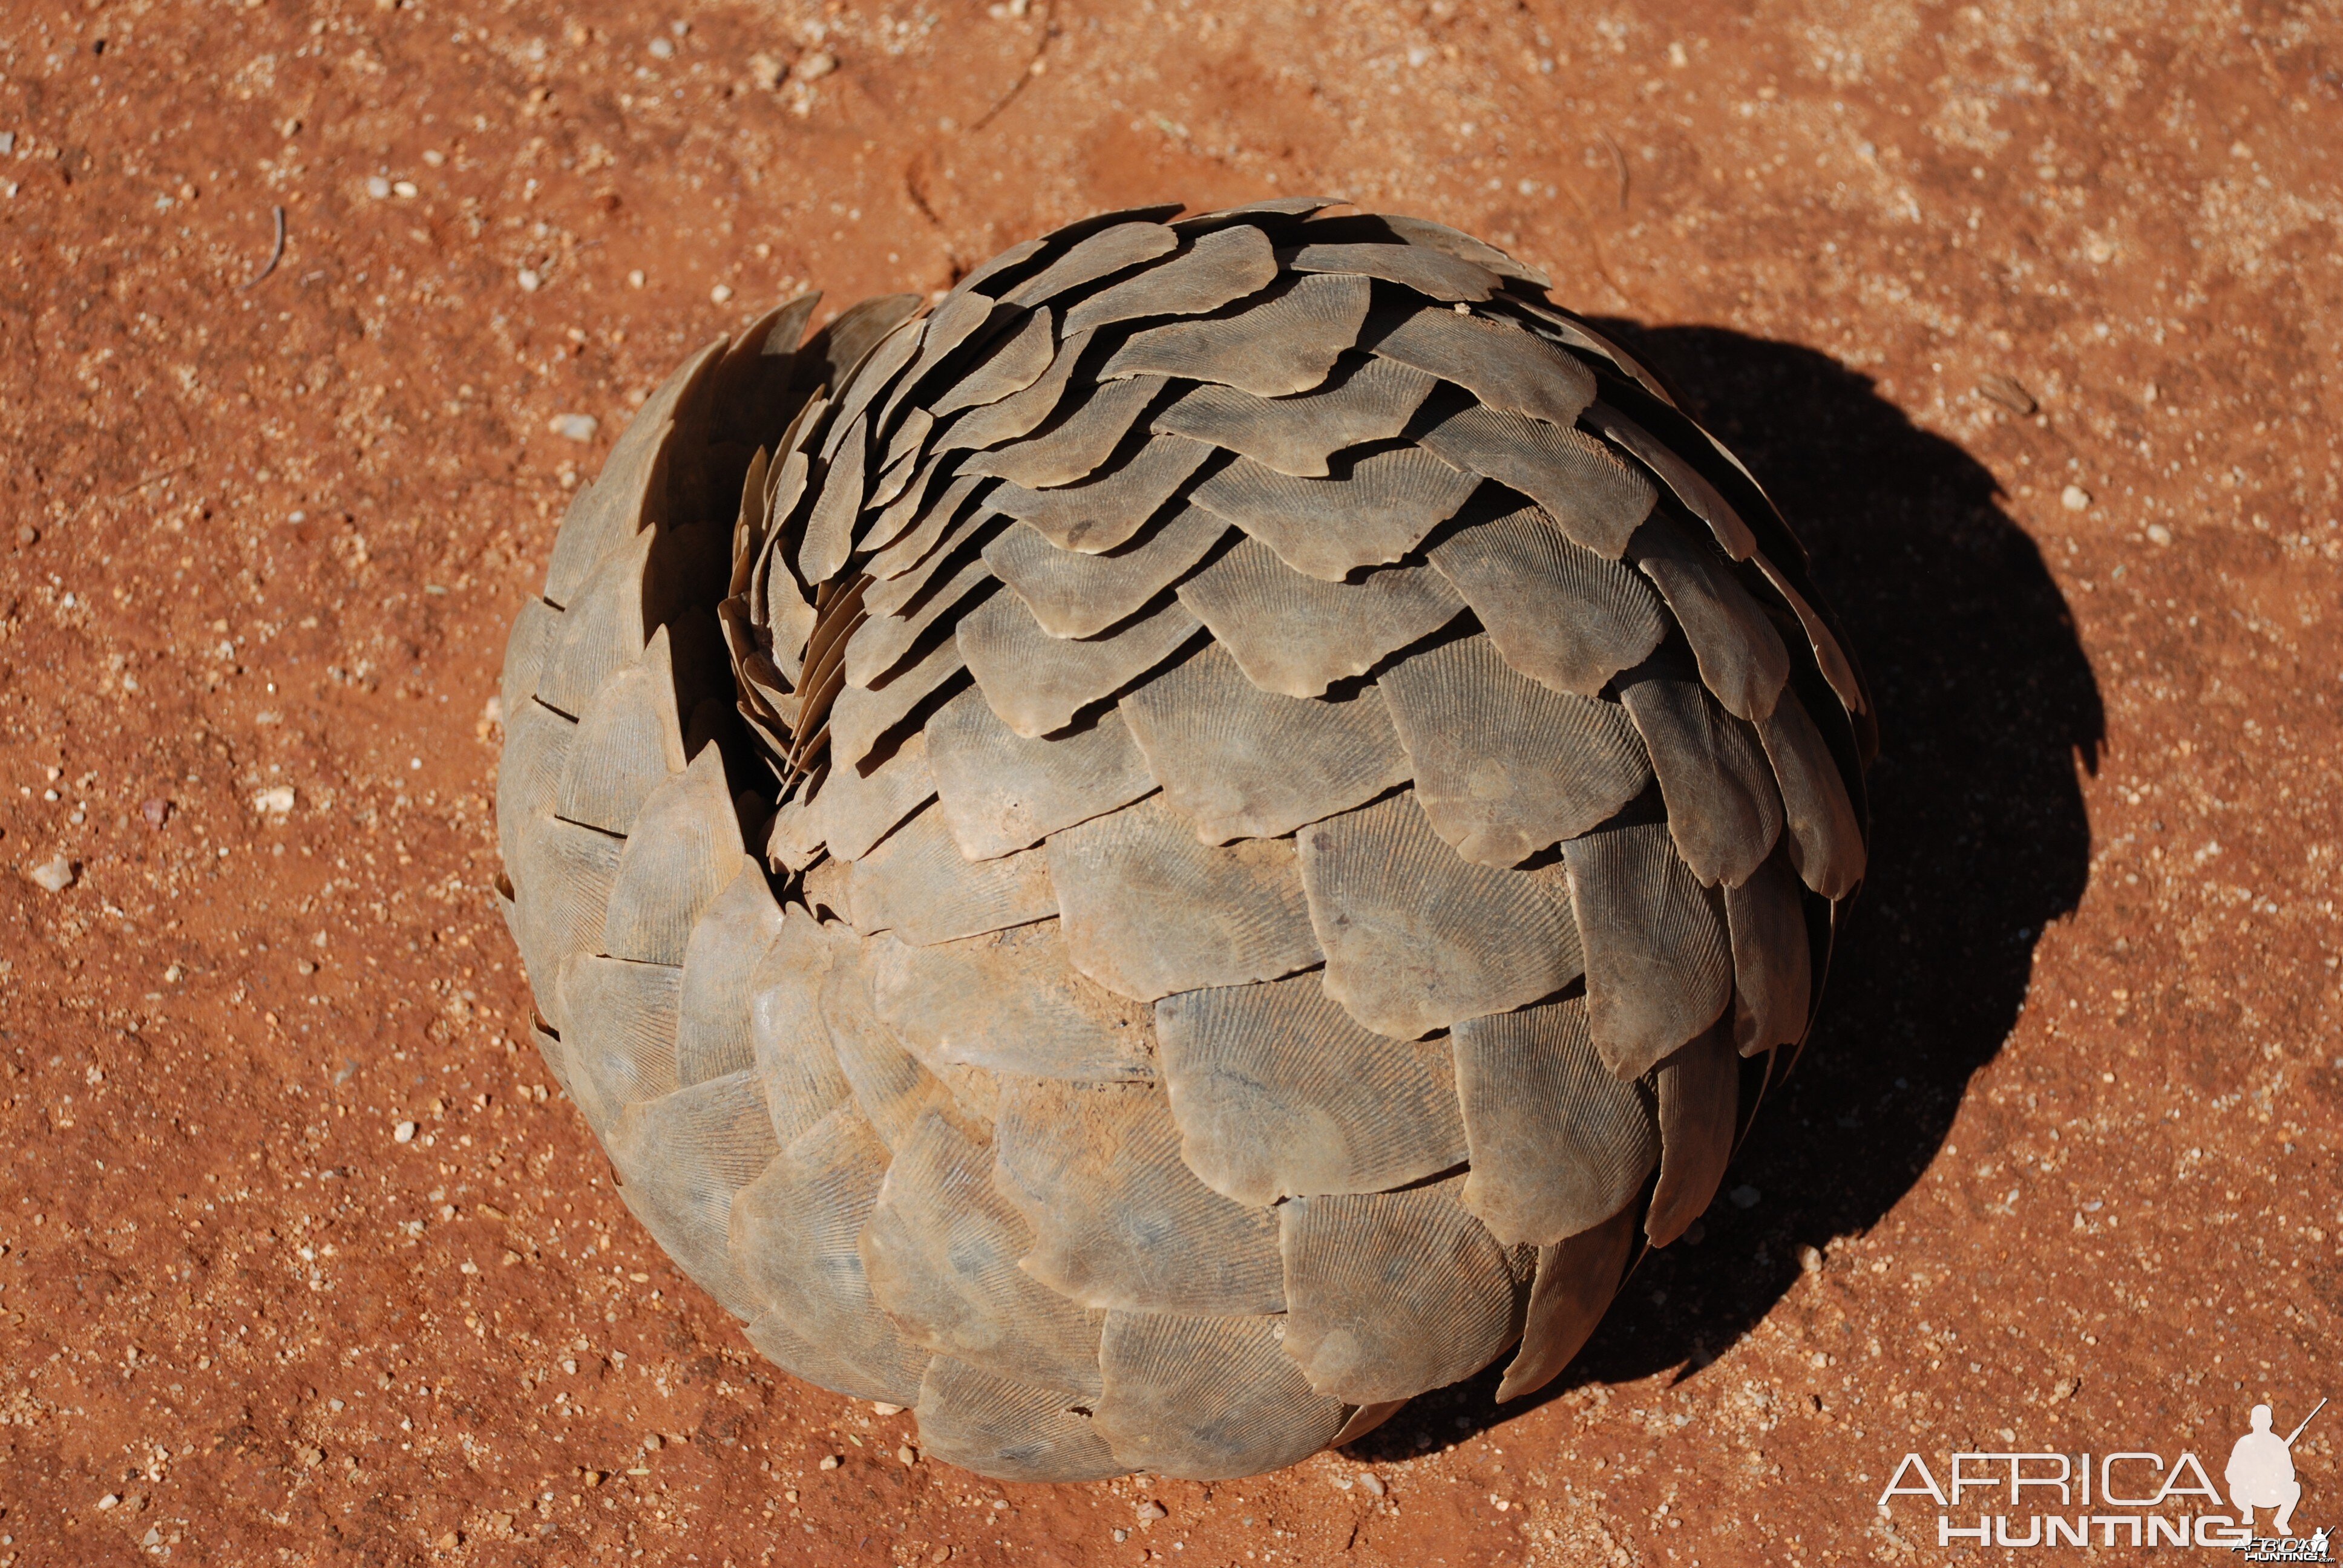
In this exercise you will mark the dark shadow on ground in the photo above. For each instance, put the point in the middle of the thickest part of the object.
(1978, 839)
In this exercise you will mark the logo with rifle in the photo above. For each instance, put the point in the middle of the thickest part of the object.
(2116, 1500)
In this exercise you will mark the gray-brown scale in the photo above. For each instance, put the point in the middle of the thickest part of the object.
(1183, 848)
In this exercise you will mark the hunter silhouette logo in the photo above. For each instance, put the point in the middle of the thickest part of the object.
(2129, 1498)
(2262, 1472)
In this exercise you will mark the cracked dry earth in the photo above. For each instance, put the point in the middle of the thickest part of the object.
(2022, 318)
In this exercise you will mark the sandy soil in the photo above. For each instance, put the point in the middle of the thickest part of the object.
(2028, 322)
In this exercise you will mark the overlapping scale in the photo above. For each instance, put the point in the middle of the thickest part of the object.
(1278, 1094)
(941, 1247)
(1284, 344)
(1558, 612)
(1119, 1220)
(1371, 401)
(1371, 511)
(1150, 911)
(1415, 937)
(1390, 1295)
(1503, 767)
(1036, 683)
(1280, 822)
(1207, 1397)
(1072, 594)
(1244, 763)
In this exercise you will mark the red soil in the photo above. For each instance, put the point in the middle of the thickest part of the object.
(2058, 1171)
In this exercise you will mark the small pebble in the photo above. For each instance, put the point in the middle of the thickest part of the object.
(157, 810)
(2075, 498)
(721, 294)
(907, 1455)
(576, 427)
(529, 281)
(635, 278)
(1810, 1260)
(1148, 1511)
(174, 975)
(26, 534)
(813, 67)
(663, 50)
(378, 188)
(1121, 1535)
(276, 801)
(1744, 1196)
(831, 1462)
(108, 1502)
(403, 1134)
(54, 875)
(1372, 1482)
(883, 1408)
(2157, 534)
(404, 189)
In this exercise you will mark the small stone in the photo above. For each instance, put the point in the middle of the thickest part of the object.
(275, 801)
(1372, 1482)
(309, 1456)
(1121, 1536)
(530, 280)
(174, 975)
(813, 67)
(881, 1407)
(829, 1462)
(378, 187)
(26, 534)
(766, 71)
(109, 1503)
(2157, 534)
(403, 1134)
(576, 427)
(1810, 1260)
(635, 278)
(663, 50)
(54, 875)
(907, 1455)
(2075, 498)
(403, 189)
(449, 1541)
(1744, 1196)
(721, 294)
(157, 810)
(1148, 1511)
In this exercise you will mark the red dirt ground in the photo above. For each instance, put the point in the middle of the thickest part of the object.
(2060, 1171)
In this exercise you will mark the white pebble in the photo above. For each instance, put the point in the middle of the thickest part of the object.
(1148, 1511)
(108, 1501)
(829, 1462)
(54, 875)
(663, 50)
(1372, 1482)
(813, 67)
(883, 1408)
(721, 294)
(403, 189)
(576, 427)
(2157, 534)
(529, 281)
(277, 801)
(2075, 498)
(378, 188)
(635, 278)
(403, 1134)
